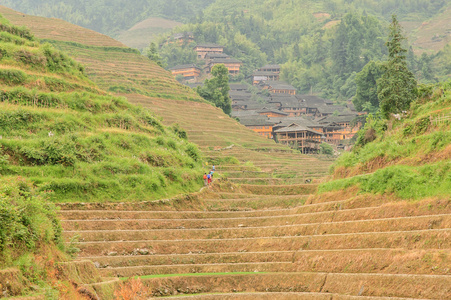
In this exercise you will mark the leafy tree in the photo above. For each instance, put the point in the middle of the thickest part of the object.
(366, 92)
(216, 89)
(397, 86)
(153, 55)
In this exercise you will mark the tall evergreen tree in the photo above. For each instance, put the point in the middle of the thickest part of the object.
(152, 54)
(397, 86)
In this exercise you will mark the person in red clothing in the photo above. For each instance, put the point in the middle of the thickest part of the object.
(209, 178)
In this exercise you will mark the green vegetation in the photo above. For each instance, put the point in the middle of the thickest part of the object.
(110, 17)
(407, 157)
(64, 134)
(366, 88)
(152, 54)
(216, 89)
(397, 86)
(320, 50)
(27, 219)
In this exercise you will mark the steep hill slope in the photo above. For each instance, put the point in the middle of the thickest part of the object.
(64, 139)
(68, 136)
(408, 157)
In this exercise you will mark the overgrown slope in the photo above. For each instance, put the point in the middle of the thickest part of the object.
(409, 158)
(66, 135)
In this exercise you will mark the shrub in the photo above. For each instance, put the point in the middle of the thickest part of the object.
(326, 149)
(12, 76)
(193, 152)
(27, 219)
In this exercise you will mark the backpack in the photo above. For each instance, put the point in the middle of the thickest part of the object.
(208, 176)
(205, 176)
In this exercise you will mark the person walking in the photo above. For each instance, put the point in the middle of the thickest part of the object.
(205, 179)
(213, 168)
(209, 178)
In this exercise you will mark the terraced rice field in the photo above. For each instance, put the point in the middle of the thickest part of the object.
(259, 231)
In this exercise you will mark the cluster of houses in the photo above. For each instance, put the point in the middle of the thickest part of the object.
(275, 111)
(301, 121)
(210, 54)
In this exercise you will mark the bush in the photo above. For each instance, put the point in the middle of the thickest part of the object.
(12, 76)
(326, 149)
(26, 219)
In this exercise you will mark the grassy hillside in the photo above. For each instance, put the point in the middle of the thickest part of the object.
(140, 35)
(409, 158)
(68, 136)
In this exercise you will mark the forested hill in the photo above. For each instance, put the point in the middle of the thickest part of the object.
(109, 17)
(320, 45)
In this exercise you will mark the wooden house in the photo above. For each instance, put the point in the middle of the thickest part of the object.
(233, 65)
(300, 137)
(189, 72)
(262, 76)
(270, 68)
(288, 104)
(260, 124)
(204, 49)
(211, 56)
(340, 128)
(278, 87)
(181, 38)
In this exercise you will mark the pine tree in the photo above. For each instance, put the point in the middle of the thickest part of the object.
(152, 54)
(397, 86)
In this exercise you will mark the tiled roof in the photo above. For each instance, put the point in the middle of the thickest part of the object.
(209, 45)
(237, 86)
(286, 121)
(179, 67)
(265, 109)
(255, 121)
(224, 61)
(216, 55)
(279, 85)
(296, 127)
(263, 73)
(271, 67)
(244, 113)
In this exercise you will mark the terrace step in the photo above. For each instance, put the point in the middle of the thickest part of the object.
(385, 261)
(392, 261)
(374, 285)
(415, 239)
(286, 295)
(249, 228)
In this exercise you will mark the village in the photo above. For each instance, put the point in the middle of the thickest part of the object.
(273, 108)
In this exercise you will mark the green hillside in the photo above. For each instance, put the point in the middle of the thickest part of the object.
(407, 158)
(68, 136)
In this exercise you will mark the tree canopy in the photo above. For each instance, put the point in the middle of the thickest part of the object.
(397, 86)
(216, 89)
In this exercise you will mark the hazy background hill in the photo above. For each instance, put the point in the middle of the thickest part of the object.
(321, 45)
